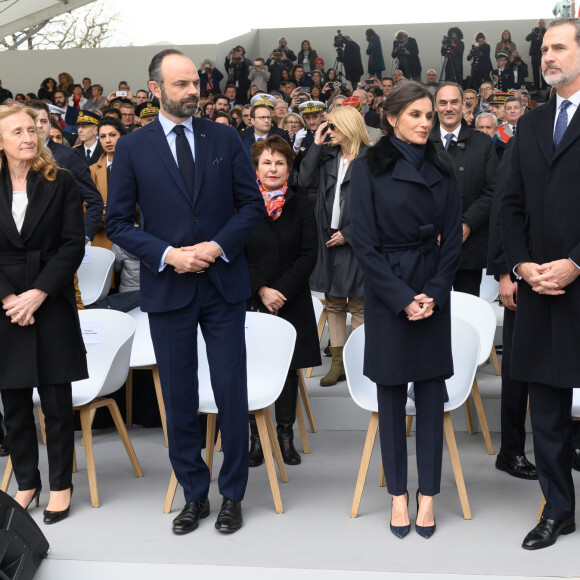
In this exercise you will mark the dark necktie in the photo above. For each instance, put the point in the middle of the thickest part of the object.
(561, 123)
(109, 172)
(184, 158)
(88, 155)
(448, 139)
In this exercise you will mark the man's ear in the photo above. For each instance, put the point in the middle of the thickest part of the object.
(155, 89)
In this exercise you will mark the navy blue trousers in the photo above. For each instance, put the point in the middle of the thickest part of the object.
(430, 397)
(551, 412)
(174, 337)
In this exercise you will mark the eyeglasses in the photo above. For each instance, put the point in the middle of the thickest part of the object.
(263, 118)
(332, 126)
(292, 122)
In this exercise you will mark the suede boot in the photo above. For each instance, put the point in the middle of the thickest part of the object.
(285, 417)
(336, 372)
(256, 453)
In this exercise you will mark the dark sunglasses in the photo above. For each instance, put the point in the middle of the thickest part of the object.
(332, 126)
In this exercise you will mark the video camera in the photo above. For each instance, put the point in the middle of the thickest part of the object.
(339, 39)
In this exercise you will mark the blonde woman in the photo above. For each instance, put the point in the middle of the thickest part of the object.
(292, 123)
(42, 244)
(327, 166)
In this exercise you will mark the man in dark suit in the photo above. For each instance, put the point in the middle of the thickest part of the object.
(199, 201)
(541, 238)
(262, 128)
(89, 149)
(475, 164)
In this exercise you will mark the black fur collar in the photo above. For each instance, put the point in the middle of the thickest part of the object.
(384, 154)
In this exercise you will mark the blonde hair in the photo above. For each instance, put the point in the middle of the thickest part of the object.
(294, 116)
(43, 162)
(350, 123)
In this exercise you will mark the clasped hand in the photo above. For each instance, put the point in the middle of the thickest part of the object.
(421, 307)
(272, 299)
(193, 258)
(20, 308)
(550, 278)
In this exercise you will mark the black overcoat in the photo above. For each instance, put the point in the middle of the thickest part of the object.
(541, 223)
(475, 163)
(337, 271)
(45, 255)
(281, 255)
(397, 214)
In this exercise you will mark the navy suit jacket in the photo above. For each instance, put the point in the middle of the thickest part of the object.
(248, 138)
(226, 207)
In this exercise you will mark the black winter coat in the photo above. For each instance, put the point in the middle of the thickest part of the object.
(475, 163)
(410, 64)
(541, 223)
(45, 255)
(397, 214)
(281, 254)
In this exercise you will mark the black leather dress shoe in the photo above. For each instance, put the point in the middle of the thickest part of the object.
(546, 533)
(575, 459)
(230, 518)
(516, 466)
(188, 520)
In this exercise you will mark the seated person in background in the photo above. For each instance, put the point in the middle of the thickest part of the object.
(223, 118)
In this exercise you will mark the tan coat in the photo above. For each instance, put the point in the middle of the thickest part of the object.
(99, 176)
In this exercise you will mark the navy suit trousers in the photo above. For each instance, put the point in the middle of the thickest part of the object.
(174, 337)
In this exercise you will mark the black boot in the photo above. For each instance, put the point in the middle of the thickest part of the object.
(3, 441)
(285, 418)
(256, 454)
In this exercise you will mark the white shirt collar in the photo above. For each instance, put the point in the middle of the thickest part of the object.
(167, 124)
(455, 133)
(574, 99)
(92, 148)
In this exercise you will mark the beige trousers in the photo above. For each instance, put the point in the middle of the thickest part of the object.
(336, 309)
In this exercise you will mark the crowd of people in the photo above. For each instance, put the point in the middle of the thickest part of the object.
(384, 195)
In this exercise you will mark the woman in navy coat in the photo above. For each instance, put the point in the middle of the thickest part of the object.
(406, 234)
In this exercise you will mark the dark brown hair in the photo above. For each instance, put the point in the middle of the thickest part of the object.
(272, 144)
(399, 99)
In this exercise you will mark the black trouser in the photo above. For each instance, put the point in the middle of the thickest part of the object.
(429, 400)
(536, 70)
(56, 402)
(285, 405)
(468, 281)
(550, 411)
(576, 435)
(514, 396)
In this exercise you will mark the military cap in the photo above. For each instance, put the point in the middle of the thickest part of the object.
(87, 118)
(501, 55)
(310, 107)
(146, 109)
(264, 99)
(498, 98)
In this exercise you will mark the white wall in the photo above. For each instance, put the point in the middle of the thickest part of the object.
(23, 71)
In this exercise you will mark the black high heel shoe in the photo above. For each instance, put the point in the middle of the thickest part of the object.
(54, 517)
(400, 531)
(35, 497)
(424, 531)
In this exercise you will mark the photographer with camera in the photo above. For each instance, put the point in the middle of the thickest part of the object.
(283, 48)
(259, 75)
(348, 53)
(277, 61)
(481, 66)
(237, 73)
(506, 45)
(535, 39)
(452, 48)
(406, 51)
(518, 70)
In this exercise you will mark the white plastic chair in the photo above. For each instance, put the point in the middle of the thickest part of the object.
(266, 377)
(143, 357)
(480, 314)
(489, 289)
(319, 303)
(108, 336)
(94, 274)
(465, 347)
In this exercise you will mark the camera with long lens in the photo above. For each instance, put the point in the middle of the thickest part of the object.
(400, 50)
(338, 43)
(537, 30)
(447, 43)
(518, 60)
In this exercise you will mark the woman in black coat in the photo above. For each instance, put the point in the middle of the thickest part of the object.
(281, 254)
(406, 234)
(481, 66)
(453, 48)
(41, 246)
(329, 169)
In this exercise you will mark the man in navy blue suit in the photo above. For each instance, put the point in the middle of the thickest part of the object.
(199, 203)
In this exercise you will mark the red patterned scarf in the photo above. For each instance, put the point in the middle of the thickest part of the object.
(274, 200)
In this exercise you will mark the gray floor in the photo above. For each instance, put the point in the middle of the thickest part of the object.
(315, 533)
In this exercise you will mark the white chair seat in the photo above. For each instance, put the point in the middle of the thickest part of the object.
(489, 289)
(95, 273)
(142, 353)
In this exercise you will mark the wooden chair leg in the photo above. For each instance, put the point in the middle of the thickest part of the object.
(409, 421)
(170, 493)
(495, 361)
(306, 401)
(382, 478)
(276, 447)
(218, 442)
(481, 416)
(116, 414)
(74, 470)
(321, 324)
(159, 393)
(542, 506)
(92, 418)
(262, 424)
(7, 476)
(456, 464)
(42, 424)
(301, 426)
(89, 454)
(209, 441)
(469, 417)
(129, 399)
(364, 463)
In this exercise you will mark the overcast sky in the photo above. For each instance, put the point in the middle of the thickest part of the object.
(201, 22)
